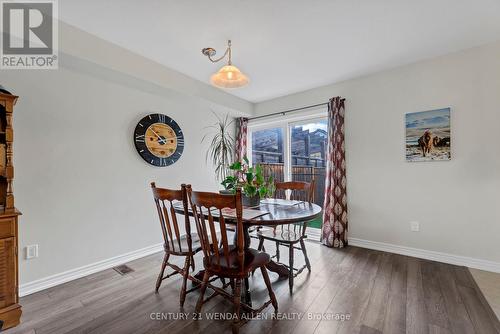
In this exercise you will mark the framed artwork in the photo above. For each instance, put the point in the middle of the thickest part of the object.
(428, 135)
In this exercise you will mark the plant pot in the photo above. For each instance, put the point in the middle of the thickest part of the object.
(225, 192)
(250, 201)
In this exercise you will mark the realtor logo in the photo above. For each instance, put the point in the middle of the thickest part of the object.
(29, 35)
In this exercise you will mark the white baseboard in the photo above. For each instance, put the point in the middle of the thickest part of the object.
(50, 281)
(313, 233)
(428, 255)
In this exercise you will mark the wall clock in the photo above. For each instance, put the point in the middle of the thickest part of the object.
(159, 140)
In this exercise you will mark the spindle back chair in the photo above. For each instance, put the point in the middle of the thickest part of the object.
(212, 212)
(298, 190)
(174, 243)
(289, 235)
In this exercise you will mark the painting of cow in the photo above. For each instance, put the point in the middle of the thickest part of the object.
(428, 135)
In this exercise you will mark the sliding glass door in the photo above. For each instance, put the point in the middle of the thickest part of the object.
(308, 141)
(292, 149)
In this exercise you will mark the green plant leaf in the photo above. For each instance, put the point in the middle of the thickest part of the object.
(259, 177)
(230, 182)
(221, 147)
(262, 192)
(249, 178)
(249, 190)
(235, 166)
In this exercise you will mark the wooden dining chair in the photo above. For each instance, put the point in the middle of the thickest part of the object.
(232, 261)
(290, 235)
(174, 244)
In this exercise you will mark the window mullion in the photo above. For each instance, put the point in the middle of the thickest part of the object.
(286, 152)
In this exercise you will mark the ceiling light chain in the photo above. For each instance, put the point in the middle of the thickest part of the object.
(210, 52)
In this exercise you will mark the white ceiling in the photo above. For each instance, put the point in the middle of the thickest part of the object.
(287, 46)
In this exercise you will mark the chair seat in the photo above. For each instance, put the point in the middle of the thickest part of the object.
(280, 234)
(195, 246)
(253, 259)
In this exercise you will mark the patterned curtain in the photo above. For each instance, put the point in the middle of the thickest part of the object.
(241, 138)
(334, 232)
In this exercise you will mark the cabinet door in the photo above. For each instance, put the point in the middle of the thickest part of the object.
(7, 272)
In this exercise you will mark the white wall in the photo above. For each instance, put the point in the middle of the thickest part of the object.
(82, 188)
(458, 202)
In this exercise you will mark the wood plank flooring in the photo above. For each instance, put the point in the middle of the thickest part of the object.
(353, 290)
(489, 283)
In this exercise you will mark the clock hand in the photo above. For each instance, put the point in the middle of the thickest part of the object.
(159, 137)
(172, 137)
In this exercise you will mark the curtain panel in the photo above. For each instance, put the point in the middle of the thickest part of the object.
(334, 231)
(241, 138)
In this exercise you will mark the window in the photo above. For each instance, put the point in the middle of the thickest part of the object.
(292, 149)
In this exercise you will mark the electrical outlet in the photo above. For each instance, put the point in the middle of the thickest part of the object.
(31, 251)
(415, 226)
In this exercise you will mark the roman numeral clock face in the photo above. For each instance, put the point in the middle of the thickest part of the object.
(159, 140)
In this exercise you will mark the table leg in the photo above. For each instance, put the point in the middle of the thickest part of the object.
(273, 266)
(279, 269)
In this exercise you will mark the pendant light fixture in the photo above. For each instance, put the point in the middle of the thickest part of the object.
(229, 76)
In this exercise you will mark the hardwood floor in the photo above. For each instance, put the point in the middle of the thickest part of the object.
(349, 291)
(489, 283)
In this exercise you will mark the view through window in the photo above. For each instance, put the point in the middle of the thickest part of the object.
(307, 154)
(267, 150)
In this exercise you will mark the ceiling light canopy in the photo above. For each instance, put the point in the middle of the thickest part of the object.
(229, 76)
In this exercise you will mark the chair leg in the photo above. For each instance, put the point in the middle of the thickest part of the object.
(247, 292)
(162, 271)
(277, 251)
(303, 247)
(269, 288)
(261, 245)
(184, 280)
(290, 278)
(260, 248)
(237, 302)
(203, 288)
(192, 263)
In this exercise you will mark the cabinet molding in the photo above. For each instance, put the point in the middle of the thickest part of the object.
(10, 310)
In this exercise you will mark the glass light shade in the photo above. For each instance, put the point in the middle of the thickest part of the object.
(229, 76)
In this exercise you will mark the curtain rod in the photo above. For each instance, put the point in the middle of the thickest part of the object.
(289, 110)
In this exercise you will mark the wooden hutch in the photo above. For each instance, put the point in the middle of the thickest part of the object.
(10, 310)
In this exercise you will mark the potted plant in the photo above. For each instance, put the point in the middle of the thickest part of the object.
(221, 149)
(251, 180)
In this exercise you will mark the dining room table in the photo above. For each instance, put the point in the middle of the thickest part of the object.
(282, 213)
(272, 213)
